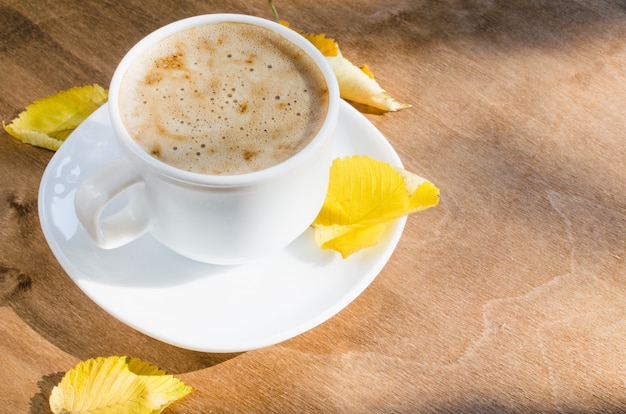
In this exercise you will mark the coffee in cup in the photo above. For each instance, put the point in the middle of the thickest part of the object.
(225, 98)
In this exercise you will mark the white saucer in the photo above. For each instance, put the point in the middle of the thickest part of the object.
(194, 305)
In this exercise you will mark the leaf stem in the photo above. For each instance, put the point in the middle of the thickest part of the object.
(271, 3)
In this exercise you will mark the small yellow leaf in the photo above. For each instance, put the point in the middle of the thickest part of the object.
(48, 121)
(355, 84)
(358, 85)
(364, 196)
(326, 45)
(116, 385)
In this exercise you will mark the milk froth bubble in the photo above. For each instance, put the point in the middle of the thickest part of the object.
(222, 99)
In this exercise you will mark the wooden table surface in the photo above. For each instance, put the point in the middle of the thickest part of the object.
(510, 296)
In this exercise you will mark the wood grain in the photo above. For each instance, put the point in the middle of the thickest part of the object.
(507, 297)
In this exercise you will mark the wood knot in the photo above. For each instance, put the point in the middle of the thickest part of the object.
(19, 205)
(12, 282)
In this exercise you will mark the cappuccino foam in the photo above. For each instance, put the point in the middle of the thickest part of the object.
(225, 98)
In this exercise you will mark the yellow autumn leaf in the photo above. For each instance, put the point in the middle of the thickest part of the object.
(48, 121)
(364, 196)
(116, 385)
(326, 45)
(356, 84)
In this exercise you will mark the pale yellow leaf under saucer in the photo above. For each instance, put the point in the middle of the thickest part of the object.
(364, 196)
(356, 84)
(116, 385)
(48, 121)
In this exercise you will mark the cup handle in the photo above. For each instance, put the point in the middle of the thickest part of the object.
(95, 193)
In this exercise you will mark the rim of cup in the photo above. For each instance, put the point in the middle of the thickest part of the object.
(236, 179)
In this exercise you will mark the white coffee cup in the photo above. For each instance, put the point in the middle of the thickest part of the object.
(218, 219)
